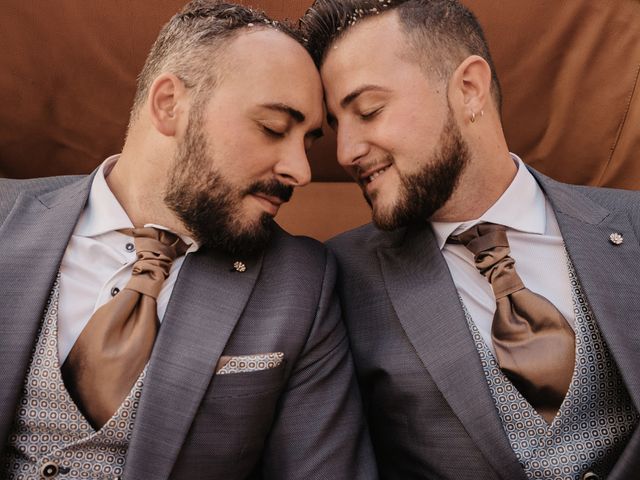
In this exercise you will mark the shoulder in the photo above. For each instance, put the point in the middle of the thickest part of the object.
(299, 259)
(625, 202)
(11, 189)
(361, 244)
(295, 248)
(611, 198)
(36, 185)
(580, 196)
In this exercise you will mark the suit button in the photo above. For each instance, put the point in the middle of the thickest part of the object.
(49, 470)
(590, 476)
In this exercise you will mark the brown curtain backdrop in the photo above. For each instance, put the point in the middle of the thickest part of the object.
(569, 72)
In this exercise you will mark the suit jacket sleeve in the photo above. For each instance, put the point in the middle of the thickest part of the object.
(319, 431)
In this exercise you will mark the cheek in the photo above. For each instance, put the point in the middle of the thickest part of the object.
(416, 142)
(242, 159)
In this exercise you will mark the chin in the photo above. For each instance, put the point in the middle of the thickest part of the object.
(384, 217)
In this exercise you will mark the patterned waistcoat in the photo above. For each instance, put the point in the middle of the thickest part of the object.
(50, 438)
(595, 420)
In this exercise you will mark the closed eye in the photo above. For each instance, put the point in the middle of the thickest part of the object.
(272, 133)
(370, 114)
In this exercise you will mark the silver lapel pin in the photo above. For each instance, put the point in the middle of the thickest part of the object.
(239, 267)
(616, 238)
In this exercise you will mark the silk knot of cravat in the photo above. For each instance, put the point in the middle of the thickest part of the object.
(155, 250)
(489, 244)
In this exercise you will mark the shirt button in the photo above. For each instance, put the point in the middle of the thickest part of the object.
(590, 476)
(114, 291)
(130, 247)
(49, 470)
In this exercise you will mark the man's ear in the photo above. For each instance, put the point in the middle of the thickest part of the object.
(470, 86)
(167, 101)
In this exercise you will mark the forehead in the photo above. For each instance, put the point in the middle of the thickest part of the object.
(373, 51)
(267, 66)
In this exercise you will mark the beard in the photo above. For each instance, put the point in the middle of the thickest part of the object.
(423, 193)
(209, 206)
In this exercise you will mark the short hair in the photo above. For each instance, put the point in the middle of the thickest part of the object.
(188, 44)
(442, 31)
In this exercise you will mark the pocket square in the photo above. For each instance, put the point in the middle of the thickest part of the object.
(248, 363)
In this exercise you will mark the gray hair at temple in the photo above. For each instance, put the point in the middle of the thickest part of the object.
(441, 32)
(189, 45)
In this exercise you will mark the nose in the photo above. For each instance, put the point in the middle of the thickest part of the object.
(350, 146)
(293, 168)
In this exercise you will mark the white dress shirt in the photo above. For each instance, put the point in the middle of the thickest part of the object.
(98, 261)
(536, 246)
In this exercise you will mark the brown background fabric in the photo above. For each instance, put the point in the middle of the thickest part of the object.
(569, 72)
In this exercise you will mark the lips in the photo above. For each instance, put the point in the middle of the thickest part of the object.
(270, 203)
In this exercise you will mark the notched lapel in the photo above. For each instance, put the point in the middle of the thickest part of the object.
(608, 274)
(206, 303)
(34, 237)
(426, 301)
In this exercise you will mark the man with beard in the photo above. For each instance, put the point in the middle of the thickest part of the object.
(184, 334)
(492, 311)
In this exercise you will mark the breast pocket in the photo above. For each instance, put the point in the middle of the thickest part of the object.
(243, 384)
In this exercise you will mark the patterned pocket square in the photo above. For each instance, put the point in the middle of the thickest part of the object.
(248, 363)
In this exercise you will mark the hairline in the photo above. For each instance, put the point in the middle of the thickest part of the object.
(410, 51)
(218, 62)
(415, 52)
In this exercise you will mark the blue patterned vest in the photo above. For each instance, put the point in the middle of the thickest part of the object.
(595, 420)
(50, 438)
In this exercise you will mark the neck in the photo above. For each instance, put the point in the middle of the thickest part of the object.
(139, 187)
(481, 184)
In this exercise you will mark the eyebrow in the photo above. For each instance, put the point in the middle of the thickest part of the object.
(297, 115)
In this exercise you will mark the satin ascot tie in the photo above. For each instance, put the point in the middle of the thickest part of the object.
(116, 343)
(534, 344)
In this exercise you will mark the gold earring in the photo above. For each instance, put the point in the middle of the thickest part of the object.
(473, 117)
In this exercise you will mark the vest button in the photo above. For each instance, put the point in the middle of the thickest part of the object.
(49, 470)
(590, 476)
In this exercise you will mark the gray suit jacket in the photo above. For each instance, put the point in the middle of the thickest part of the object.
(302, 420)
(428, 404)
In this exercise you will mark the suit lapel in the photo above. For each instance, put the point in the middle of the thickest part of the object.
(608, 273)
(426, 302)
(33, 237)
(206, 303)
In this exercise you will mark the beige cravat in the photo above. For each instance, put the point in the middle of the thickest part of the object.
(116, 343)
(534, 344)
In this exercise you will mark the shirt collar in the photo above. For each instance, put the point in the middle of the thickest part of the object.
(103, 213)
(521, 207)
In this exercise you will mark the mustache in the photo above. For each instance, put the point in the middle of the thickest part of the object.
(272, 188)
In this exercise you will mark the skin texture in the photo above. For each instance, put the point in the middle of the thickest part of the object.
(245, 142)
(389, 113)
